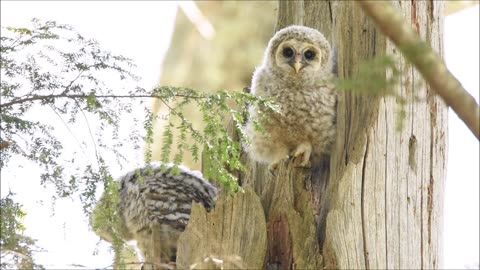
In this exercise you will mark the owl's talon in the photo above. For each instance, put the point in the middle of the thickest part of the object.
(306, 112)
(305, 166)
(272, 168)
(302, 156)
(299, 162)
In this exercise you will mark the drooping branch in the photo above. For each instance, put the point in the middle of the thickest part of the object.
(426, 60)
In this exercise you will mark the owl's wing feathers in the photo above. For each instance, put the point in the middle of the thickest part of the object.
(163, 197)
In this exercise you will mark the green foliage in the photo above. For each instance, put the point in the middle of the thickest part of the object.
(222, 152)
(106, 219)
(36, 69)
(380, 76)
(372, 78)
(55, 67)
(16, 249)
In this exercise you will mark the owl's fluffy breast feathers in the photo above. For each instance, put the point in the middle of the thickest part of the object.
(307, 100)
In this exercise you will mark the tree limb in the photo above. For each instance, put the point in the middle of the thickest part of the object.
(84, 96)
(426, 60)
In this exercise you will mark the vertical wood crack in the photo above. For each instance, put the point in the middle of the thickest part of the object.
(386, 186)
(330, 11)
(362, 206)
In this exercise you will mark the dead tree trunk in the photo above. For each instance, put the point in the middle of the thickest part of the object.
(377, 202)
(386, 189)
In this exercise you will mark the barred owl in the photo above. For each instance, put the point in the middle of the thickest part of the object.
(297, 73)
(152, 199)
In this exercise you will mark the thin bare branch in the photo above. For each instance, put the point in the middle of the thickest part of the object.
(83, 96)
(67, 88)
(69, 130)
(90, 132)
(426, 60)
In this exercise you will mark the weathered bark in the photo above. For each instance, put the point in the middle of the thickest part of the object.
(221, 238)
(427, 61)
(387, 185)
(382, 189)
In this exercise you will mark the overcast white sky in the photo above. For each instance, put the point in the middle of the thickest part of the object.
(138, 30)
(461, 242)
(141, 31)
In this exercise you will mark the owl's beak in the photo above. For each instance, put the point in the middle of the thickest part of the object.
(298, 63)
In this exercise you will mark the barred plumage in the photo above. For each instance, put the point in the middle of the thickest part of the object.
(150, 197)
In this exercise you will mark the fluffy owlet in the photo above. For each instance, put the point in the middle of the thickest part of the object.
(159, 201)
(297, 73)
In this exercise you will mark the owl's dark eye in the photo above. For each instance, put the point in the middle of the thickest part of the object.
(288, 52)
(309, 55)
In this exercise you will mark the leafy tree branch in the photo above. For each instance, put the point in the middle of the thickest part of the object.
(16, 249)
(52, 69)
(427, 61)
(46, 98)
